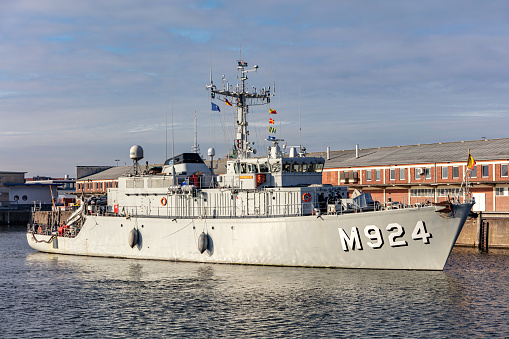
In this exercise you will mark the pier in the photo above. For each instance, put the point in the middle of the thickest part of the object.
(489, 230)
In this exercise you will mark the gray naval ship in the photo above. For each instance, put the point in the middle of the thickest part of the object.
(271, 210)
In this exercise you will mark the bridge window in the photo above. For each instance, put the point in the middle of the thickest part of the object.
(303, 167)
(287, 167)
(252, 168)
(243, 168)
(319, 167)
(311, 167)
(264, 167)
(295, 167)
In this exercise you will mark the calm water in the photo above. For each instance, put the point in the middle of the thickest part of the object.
(56, 296)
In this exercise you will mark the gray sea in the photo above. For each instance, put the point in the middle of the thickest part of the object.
(59, 296)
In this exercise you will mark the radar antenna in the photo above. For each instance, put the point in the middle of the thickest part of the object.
(240, 97)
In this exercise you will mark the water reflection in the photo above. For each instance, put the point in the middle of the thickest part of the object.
(122, 297)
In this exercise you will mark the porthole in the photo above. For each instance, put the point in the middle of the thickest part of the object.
(24, 198)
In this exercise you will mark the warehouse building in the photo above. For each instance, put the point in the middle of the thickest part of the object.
(425, 173)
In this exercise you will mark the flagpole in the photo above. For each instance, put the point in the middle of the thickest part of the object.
(468, 176)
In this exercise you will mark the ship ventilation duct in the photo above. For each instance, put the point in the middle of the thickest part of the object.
(293, 152)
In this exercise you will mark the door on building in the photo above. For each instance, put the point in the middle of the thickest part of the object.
(480, 202)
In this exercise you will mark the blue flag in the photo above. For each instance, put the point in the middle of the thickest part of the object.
(271, 138)
(215, 107)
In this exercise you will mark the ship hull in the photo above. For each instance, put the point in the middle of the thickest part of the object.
(415, 238)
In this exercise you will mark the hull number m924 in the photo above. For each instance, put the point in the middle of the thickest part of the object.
(376, 240)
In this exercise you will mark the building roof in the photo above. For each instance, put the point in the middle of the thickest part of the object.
(489, 149)
(113, 173)
(33, 184)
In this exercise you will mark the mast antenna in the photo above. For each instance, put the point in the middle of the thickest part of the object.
(300, 125)
(196, 147)
(241, 98)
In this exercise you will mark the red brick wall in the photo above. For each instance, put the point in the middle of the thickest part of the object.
(330, 177)
(502, 203)
(397, 195)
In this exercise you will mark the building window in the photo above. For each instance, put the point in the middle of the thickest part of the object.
(448, 192)
(393, 174)
(377, 175)
(473, 172)
(417, 174)
(503, 170)
(485, 171)
(401, 174)
(455, 172)
(368, 175)
(502, 191)
(445, 172)
(422, 192)
(427, 172)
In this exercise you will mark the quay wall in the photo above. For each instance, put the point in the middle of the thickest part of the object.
(498, 235)
(14, 217)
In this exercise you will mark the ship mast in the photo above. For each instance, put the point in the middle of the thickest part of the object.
(241, 98)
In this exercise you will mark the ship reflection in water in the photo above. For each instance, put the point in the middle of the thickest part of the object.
(58, 295)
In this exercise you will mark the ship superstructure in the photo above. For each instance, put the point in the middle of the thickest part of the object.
(268, 210)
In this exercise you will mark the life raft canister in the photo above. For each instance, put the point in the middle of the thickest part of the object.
(163, 201)
(306, 197)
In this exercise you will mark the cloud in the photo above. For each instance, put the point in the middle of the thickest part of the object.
(81, 75)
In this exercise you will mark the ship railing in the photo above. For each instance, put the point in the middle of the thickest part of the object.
(39, 229)
(232, 211)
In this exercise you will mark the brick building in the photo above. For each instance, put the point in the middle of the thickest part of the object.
(97, 184)
(426, 172)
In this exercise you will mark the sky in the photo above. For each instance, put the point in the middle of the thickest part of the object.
(83, 81)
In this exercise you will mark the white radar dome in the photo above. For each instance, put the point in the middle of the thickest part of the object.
(136, 152)
(211, 152)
